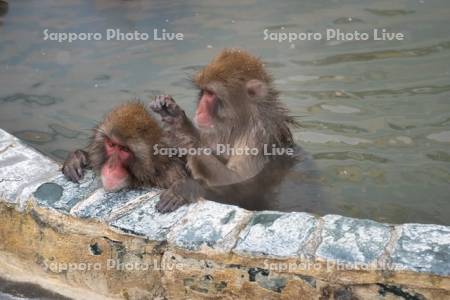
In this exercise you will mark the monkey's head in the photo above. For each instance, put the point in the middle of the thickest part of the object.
(122, 147)
(229, 86)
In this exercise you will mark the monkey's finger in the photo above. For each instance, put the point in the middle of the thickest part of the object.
(64, 171)
(83, 159)
(173, 205)
(159, 105)
(80, 172)
(155, 106)
(71, 174)
(74, 175)
(173, 108)
(168, 119)
(160, 206)
(162, 100)
(163, 206)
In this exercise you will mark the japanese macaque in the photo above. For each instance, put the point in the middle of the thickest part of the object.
(121, 151)
(237, 107)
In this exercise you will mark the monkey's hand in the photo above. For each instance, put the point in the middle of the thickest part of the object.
(169, 201)
(181, 132)
(169, 110)
(73, 167)
(180, 192)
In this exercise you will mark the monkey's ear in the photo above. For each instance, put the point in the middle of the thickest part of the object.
(256, 88)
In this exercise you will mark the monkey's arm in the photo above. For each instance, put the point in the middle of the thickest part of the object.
(214, 172)
(180, 192)
(182, 133)
(207, 168)
(76, 162)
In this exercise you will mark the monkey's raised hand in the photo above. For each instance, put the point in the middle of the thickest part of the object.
(168, 109)
(181, 132)
(73, 167)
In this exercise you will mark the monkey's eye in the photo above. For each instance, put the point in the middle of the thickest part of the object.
(124, 149)
(109, 143)
(208, 93)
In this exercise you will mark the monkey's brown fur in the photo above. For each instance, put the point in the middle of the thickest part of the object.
(132, 121)
(131, 125)
(242, 109)
(232, 64)
(266, 116)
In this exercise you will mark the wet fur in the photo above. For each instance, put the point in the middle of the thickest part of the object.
(134, 126)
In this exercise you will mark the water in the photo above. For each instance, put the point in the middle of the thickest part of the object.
(375, 115)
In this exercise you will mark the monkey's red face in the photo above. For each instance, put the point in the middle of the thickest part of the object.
(114, 173)
(206, 109)
(219, 104)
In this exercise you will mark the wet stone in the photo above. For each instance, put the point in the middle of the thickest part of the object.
(347, 20)
(5, 135)
(64, 131)
(349, 240)
(147, 221)
(276, 234)
(61, 194)
(439, 156)
(37, 84)
(389, 12)
(341, 109)
(423, 248)
(443, 136)
(102, 77)
(34, 136)
(20, 167)
(209, 224)
(101, 203)
(43, 100)
(350, 173)
(50, 191)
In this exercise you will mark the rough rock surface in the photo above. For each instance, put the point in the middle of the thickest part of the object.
(147, 221)
(83, 243)
(276, 234)
(352, 240)
(423, 248)
(209, 224)
(20, 166)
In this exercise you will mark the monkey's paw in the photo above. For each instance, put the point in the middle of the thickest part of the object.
(74, 165)
(169, 201)
(168, 109)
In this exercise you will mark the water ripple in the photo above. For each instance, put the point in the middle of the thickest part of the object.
(322, 138)
(390, 12)
(350, 155)
(336, 127)
(408, 91)
(373, 55)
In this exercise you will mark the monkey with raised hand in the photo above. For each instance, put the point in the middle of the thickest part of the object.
(121, 152)
(237, 106)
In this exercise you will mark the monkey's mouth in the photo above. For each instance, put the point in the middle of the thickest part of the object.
(114, 179)
(113, 186)
(203, 121)
(205, 110)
